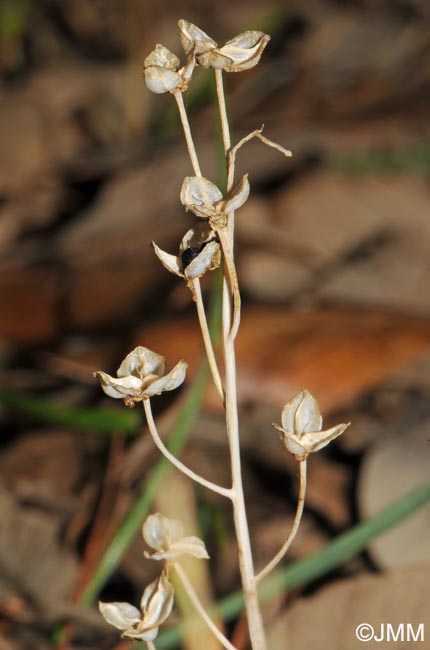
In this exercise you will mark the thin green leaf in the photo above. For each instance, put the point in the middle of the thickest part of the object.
(14, 16)
(95, 420)
(414, 160)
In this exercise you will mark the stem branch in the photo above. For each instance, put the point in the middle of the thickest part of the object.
(207, 338)
(223, 112)
(298, 516)
(187, 132)
(232, 152)
(246, 566)
(225, 492)
(233, 281)
(199, 607)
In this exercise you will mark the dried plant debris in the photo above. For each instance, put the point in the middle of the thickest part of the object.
(392, 466)
(32, 555)
(365, 601)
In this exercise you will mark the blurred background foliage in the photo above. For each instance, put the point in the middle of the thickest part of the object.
(333, 258)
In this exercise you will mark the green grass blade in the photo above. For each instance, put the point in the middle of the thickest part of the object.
(14, 16)
(412, 160)
(94, 420)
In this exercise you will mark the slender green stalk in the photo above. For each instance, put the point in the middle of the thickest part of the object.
(230, 267)
(230, 325)
(225, 492)
(295, 527)
(189, 589)
(187, 132)
(210, 353)
(223, 112)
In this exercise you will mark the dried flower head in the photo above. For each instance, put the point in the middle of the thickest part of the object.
(240, 53)
(199, 252)
(205, 199)
(155, 606)
(162, 71)
(166, 536)
(301, 430)
(141, 375)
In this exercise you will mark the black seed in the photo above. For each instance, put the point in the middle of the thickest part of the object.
(191, 253)
(188, 255)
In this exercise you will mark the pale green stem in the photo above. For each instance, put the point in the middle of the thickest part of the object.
(255, 621)
(231, 157)
(225, 492)
(207, 338)
(196, 282)
(223, 112)
(234, 284)
(189, 589)
(187, 132)
(296, 523)
(228, 242)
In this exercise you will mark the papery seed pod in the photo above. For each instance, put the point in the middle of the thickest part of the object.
(141, 375)
(301, 430)
(240, 53)
(191, 253)
(194, 38)
(155, 607)
(199, 252)
(205, 199)
(166, 536)
(162, 71)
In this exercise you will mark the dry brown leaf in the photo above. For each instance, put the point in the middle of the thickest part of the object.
(365, 239)
(31, 642)
(391, 468)
(48, 462)
(328, 620)
(270, 536)
(23, 152)
(352, 64)
(38, 126)
(34, 207)
(328, 489)
(33, 561)
(28, 303)
(336, 354)
(42, 469)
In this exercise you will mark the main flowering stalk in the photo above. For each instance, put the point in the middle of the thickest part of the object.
(246, 563)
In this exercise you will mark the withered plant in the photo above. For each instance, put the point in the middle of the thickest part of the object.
(142, 375)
